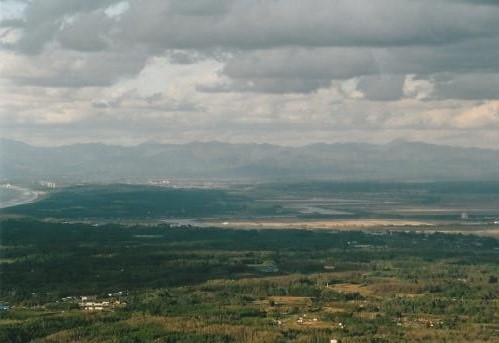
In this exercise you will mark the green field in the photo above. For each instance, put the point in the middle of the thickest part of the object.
(440, 202)
(134, 263)
(212, 285)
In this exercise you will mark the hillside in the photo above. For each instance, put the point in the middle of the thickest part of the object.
(398, 160)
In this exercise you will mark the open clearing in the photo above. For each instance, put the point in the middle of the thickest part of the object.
(352, 288)
(321, 224)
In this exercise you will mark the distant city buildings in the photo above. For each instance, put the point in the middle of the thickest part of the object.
(48, 184)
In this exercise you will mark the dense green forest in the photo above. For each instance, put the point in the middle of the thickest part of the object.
(438, 201)
(131, 201)
(186, 284)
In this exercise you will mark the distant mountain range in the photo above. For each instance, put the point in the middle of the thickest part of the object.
(397, 161)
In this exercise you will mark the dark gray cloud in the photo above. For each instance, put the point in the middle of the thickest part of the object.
(73, 70)
(267, 24)
(241, 24)
(477, 2)
(12, 23)
(478, 86)
(87, 33)
(190, 56)
(382, 87)
(380, 64)
(318, 63)
(45, 19)
(199, 7)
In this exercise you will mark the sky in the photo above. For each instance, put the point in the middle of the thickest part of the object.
(286, 72)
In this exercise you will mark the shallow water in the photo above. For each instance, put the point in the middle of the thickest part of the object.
(13, 195)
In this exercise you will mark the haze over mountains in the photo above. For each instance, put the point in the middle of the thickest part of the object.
(398, 160)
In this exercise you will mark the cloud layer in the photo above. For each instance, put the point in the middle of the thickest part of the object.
(283, 71)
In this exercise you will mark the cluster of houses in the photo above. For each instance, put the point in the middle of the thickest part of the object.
(419, 322)
(304, 320)
(100, 305)
(91, 303)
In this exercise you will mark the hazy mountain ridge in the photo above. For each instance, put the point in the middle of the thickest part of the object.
(398, 160)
